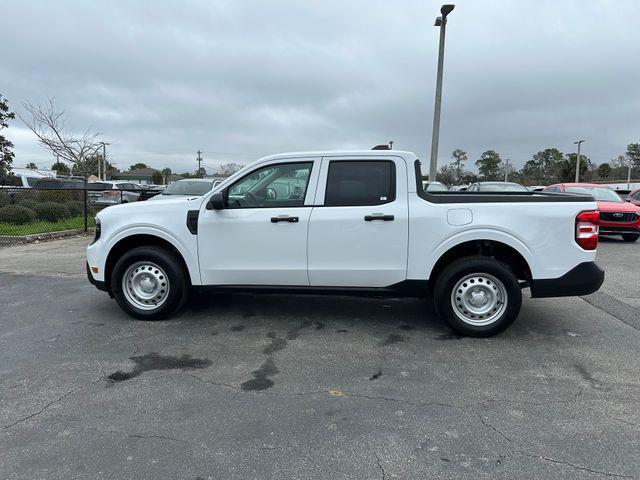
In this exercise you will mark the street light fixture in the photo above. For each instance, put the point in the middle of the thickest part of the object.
(442, 23)
(578, 142)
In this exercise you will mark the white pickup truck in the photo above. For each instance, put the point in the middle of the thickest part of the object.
(349, 223)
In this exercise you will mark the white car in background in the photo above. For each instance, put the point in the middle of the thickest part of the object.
(188, 187)
(105, 193)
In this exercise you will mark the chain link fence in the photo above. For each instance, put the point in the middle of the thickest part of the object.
(30, 214)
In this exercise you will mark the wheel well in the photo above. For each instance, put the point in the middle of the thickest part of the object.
(484, 248)
(134, 241)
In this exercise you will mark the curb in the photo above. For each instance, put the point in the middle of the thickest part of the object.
(8, 240)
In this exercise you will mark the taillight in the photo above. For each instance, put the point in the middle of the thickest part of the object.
(587, 229)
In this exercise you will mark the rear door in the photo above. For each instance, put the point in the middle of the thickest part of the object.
(358, 230)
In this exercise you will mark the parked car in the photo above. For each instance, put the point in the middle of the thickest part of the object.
(188, 187)
(496, 187)
(434, 186)
(536, 188)
(634, 197)
(617, 217)
(107, 193)
(363, 224)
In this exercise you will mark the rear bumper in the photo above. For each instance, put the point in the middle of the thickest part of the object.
(96, 283)
(583, 279)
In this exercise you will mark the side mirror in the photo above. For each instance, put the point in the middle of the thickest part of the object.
(216, 202)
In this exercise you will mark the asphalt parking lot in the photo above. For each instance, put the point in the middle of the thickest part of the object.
(271, 387)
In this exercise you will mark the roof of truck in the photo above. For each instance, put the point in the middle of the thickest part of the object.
(343, 153)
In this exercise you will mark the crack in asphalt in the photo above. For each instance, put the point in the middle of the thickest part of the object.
(53, 402)
(380, 467)
(510, 445)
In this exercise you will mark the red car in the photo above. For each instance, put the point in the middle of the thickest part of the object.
(634, 197)
(617, 217)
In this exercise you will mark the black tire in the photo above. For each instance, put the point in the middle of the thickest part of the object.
(483, 273)
(170, 272)
(630, 237)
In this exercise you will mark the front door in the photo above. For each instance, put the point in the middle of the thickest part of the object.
(260, 237)
(358, 231)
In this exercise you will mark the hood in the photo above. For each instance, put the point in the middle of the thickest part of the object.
(150, 209)
(617, 207)
(160, 196)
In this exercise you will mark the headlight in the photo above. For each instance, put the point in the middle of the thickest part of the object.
(98, 231)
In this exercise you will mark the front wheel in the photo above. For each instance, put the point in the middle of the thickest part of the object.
(149, 283)
(630, 237)
(477, 296)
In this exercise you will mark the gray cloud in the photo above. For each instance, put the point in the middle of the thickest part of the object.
(240, 80)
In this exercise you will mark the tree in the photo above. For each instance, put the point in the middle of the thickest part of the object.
(489, 165)
(166, 175)
(31, 166)
(567, 167)
(61, 168)
(137, 166)
(229, 168)
(48, 125)
(633, 154)
(459, 158)
(201, 172)
(6, 154)
(446, 174)
(156, 177)
(543, 165)
(90, 167)
(604, 171)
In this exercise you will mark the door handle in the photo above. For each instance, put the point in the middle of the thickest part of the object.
(284, 218)
(378, 216)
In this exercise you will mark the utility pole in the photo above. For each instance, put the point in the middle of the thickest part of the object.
(506, 170)
(629, 176)
(578, 142)
(104, 161)
(442, 23)
(199, 173)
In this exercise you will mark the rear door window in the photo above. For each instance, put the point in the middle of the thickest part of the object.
(360, 183)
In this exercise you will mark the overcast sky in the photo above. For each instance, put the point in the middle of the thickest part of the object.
(243, 79)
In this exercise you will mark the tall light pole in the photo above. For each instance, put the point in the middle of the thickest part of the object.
(506, 169)
(442, 23)
(104, 161)
(578, 142)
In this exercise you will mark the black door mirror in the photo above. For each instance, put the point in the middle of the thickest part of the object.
(216, 202)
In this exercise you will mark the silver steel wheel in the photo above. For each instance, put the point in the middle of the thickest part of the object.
(145, 285)
(479, 299)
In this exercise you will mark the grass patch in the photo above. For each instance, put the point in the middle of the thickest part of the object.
(45, 227)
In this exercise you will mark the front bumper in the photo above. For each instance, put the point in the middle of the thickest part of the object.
(583, 279)
(96, 283)
(618, 229)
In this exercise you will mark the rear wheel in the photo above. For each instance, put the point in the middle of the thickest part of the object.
(630, 237)
(149, 283)
(477, 296)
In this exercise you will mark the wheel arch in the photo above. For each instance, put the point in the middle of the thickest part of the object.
(498, 250)
(135, 240)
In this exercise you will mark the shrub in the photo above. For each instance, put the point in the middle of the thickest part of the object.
(51, 211)
(60, 196)
(30, 204)
(76, 209)
(16, 214)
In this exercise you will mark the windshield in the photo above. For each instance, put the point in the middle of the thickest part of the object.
(185, 187)
(502, 187)
(601, 194)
